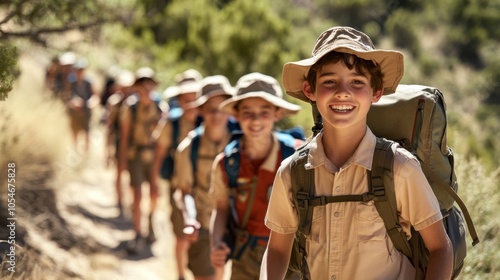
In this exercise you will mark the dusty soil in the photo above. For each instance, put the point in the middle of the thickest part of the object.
(87, 203)
(71, 229)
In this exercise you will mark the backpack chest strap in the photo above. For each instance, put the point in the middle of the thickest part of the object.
(304, 201)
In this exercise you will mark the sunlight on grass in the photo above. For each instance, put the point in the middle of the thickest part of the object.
(480, 191)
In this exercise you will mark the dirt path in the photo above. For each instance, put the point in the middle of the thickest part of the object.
(87, 203)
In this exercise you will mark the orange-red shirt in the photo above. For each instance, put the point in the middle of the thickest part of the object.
(251, 175)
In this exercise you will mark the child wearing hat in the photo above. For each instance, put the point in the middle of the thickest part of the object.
(124, 88)
(180, 98)
(82, 99)
(193, 178)
(348, 240)
(138, 117)
(258, 104)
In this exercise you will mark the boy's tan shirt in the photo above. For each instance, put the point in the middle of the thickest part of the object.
(184, 177)
(164, 130)
(349, 240)
(142, 126)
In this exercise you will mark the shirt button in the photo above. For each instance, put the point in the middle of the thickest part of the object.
(336, 214)
(337, 189)
(333, 277)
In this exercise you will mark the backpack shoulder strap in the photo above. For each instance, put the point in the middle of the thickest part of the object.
(302, 180)
(381, 184)
(195, 146)
(232, 162)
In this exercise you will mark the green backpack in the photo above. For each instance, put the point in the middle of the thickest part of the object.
(415, 118)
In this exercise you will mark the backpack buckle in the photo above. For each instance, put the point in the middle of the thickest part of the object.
(367, 196)
(302, 199)
(378, 190)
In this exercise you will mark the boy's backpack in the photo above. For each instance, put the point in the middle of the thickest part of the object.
(415, 117)
(232, 126)
(235, 237)
(133, 102)
(167, 167)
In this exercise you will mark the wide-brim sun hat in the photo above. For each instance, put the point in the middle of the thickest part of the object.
(67, 58)
(186, 82)
(80, 63)
(125, 78)
(145, 73)
(211, 86)
(345, 40)
(261, 86)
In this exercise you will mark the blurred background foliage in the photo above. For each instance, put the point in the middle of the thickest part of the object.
(450, 44)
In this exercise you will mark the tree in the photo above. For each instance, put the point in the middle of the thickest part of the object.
(36, 20)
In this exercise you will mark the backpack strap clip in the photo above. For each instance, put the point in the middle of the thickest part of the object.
(303, 199)
(378, 191)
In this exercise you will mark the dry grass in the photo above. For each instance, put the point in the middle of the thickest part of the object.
(35, 135)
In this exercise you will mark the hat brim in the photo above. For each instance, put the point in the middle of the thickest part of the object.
(138, 80)
(288, 108)
(204, 98)
(391, 64)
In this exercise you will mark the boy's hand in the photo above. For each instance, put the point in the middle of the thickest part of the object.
(219, 254)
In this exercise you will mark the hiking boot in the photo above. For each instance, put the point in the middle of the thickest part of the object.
(151, 235)
(136, 245)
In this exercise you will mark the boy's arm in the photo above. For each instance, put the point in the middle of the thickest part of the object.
(218, 222)
(220, 250)
(440, 251)
(125, 125)
(162, 145)
(277, 256)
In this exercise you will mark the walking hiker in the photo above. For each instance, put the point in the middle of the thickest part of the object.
(139, 116)
(169, 132)
(124, 88)
(242, 176)
(81, 100)
(193, 162)
(64, 76)
(348, 240)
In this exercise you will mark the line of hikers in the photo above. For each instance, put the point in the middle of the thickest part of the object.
(229, 169)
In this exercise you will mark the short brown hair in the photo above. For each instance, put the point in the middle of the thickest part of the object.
(350, 61)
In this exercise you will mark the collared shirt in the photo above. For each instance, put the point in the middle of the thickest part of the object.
(349, 240)
(264, 177)
(185, 179)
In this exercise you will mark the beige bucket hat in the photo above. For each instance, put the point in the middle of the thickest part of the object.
(186, 82)
(212, 86)
(262, 86)
(144, 73)
(346, 40)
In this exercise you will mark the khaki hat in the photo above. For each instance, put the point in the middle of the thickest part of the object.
(125, 78)
(345, 40)
(67, 58)
(212, 86)
(262, 86)
(186, 82)
(145, 73)
(80, 63)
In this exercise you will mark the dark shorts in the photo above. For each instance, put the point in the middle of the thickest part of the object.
(80, 120)
(139, 172)
(199, 255)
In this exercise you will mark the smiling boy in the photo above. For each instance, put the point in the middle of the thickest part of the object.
(348, 240)
(258, 104)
